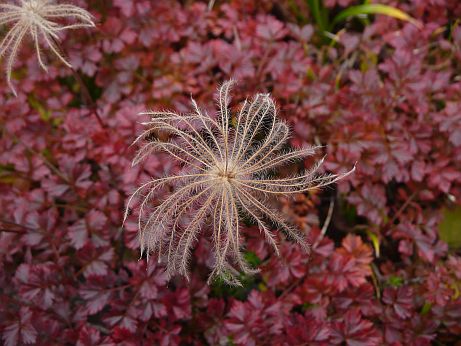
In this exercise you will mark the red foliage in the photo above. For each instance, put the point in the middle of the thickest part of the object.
(387, 95)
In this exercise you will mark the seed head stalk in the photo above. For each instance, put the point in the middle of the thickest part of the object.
(87, 99)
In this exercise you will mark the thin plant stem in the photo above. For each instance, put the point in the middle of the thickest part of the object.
(210, 5)
(403, 207)
(326, 223)
(87, 99)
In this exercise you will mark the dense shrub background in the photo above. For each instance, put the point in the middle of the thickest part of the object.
(387, 95)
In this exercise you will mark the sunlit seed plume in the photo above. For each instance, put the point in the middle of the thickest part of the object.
(40, 21)
(228, 168)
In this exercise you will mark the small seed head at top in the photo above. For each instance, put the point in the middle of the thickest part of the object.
(39, 20)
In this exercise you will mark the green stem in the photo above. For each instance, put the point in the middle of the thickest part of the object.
(320, 14)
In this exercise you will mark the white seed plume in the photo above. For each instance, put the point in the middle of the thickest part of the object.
(228, 170)
(39, 20)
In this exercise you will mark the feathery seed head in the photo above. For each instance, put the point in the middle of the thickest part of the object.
(39, 20)
(227, 170)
